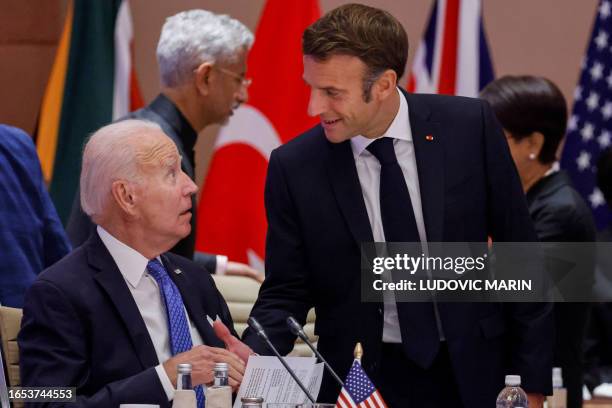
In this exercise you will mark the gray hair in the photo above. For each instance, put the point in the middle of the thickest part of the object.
(110, 155)
(193, 37)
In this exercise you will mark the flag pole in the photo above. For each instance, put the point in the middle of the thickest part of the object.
(358, 352)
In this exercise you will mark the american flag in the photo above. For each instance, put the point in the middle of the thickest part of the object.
(453, 56)
(359, 391)
(589, 130)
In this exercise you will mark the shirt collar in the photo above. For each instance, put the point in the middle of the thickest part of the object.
(131, 263)
(553, 169)
(399, 128)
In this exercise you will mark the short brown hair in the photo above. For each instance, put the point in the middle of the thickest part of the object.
(371, 34)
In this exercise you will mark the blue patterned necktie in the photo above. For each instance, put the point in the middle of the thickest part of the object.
(180, 337)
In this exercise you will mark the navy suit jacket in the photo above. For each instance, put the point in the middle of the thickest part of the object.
(317, 219)
(31, 234)
(81, 328)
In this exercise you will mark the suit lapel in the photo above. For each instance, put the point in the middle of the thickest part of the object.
(345, 183)
(110, 279)
(429, 152)
(193, 303)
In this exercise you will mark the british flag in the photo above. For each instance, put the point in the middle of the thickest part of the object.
(453, 56)
(359, 391)
(589, 130)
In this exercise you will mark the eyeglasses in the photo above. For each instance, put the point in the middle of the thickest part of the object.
(246, 82)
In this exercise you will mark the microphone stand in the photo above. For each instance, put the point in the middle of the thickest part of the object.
(254, 324)
(298, 330)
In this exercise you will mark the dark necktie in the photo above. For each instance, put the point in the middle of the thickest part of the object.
(180, 337)
(420, 338)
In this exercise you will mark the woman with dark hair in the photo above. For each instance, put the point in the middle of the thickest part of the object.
(533, 113)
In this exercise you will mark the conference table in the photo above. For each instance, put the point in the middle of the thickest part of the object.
(598, 403)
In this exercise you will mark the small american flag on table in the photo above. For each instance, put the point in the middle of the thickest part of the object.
(359, 391)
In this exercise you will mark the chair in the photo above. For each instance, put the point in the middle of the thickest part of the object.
(10, 323)
(240, 294)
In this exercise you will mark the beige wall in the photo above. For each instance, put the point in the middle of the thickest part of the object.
(29, 31)
(543, 37)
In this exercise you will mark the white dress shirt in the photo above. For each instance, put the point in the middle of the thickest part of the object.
(221, 267)
(368, 170)
(148, 298)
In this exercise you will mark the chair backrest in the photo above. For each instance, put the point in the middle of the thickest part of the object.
(240, 294)
(4, 399)
(10, 323)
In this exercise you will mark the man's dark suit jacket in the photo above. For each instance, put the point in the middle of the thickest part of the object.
(317, 219)
(163, 112)
(81, 328)
(560, 215)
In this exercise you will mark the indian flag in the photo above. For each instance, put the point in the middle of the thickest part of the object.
(92, 83)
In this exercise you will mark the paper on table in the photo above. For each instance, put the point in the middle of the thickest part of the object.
(315, 380)
(603, 390)
(266, 377)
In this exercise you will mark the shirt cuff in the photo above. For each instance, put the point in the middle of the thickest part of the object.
(221, 265)
(165, 381)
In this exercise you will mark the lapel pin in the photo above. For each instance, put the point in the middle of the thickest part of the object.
(178, 271)
(429, 138)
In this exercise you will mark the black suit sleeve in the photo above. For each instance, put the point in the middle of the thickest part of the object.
(207, 261)
(285, 290)
(531, 324)
(53, 351)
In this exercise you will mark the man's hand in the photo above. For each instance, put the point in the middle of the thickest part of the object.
(240, 269)
(535, 400)
(202, 360)
(231, 343)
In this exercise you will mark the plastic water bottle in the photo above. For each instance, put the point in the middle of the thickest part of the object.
(559, 397)
(221, 374)
(252, 402)
(184, 396)
(513, 395)
(183, 380)
(220, 394)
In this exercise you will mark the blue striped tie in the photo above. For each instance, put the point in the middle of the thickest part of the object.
(180, 337)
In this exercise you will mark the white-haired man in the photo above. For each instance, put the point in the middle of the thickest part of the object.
(116, 316)
(202, 62)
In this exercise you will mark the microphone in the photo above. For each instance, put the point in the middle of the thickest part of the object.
(254, 324)
(298, 330)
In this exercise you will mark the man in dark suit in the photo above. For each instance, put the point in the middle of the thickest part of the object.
(385, 165)
(202, 59)
(116, 316)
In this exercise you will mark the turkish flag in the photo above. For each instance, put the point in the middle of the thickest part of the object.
(231, 215)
